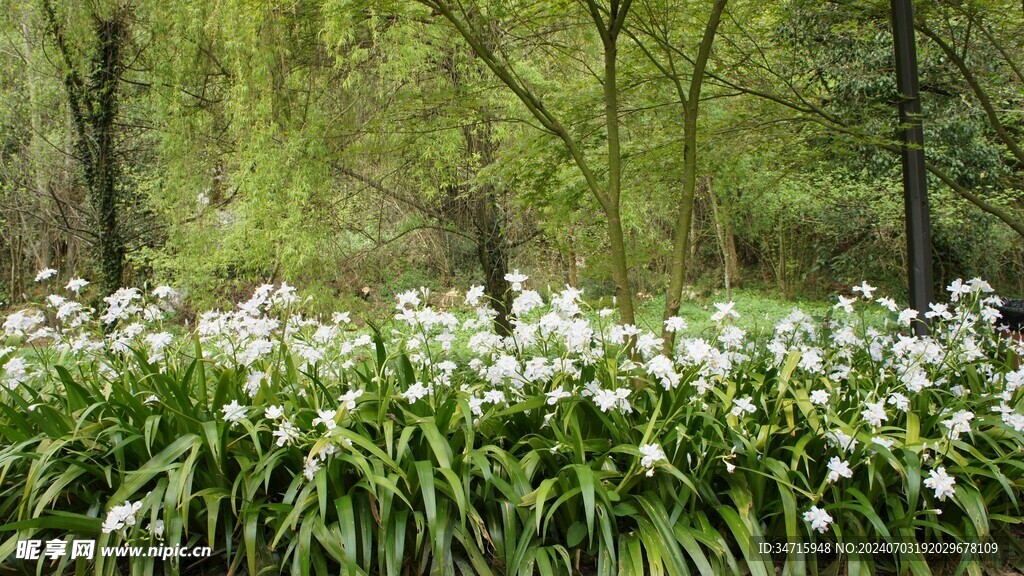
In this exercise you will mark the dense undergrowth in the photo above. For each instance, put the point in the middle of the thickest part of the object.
(431, 444)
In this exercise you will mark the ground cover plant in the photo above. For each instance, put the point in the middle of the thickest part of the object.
(319, 445)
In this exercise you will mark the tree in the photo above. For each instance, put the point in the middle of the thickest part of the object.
(478, 27)
(93, 99)
(801, 68)
(658, 25)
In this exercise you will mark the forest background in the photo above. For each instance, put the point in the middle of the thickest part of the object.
(657, 151)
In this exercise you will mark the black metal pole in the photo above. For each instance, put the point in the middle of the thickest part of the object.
(915, 192)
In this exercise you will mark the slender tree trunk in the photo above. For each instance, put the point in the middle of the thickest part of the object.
(616, 240)
(781, 268)
(692, 242)
(574, 274)
(720, 235)
(609, 21)
(730, 246)
(680, 243)
(691, 108)
(45, 252)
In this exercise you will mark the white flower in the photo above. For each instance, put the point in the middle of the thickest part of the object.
(76, 284)
(311, 468)
(841, 440)
(941, 482)
(527, 301)
(274, 412)
(662, 368)
(957, 289)
(652, 454)
(516, 279)
(1014, 420)
(959, 423)
(865, 289)
(476, 405)
(157, 528)
(883, 441)
(286, 433)
(819, 397)
(907, 316)
(725, 309)
(16, 372)
(22, 322)
(990, 315)
(916, 380)
(938, 311)
(253, 381)
(121, 516)
(557, 394)
(980, 285)
(45, 273)
(326, 417)
(741, 405)
(474, 294)
(164, 292)
(284, 295)
(415, 392)
(900, 401)
(494, 396)
(233, 412)
(348, 399)
(675, 324)
(121, 305)
(811, 360)
(159, 341)
(1014, 380)
(697, 350)
(889, 304)
(818, 518)
(406, 299)
(874, 413)
(838, 469)
(608, 399)
(846, 304)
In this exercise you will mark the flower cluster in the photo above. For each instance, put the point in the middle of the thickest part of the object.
(301, 381)
(121, 516)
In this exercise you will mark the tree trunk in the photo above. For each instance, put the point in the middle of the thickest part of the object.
(94, 108)
(574, 274)
(616, 240)
(494, 259)
(680, 243)
(720, 235)
(730, 247)
(492, 243)
(44, 254)
(103, 185)
(781, 268)
(691, 106)
(620, 269)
